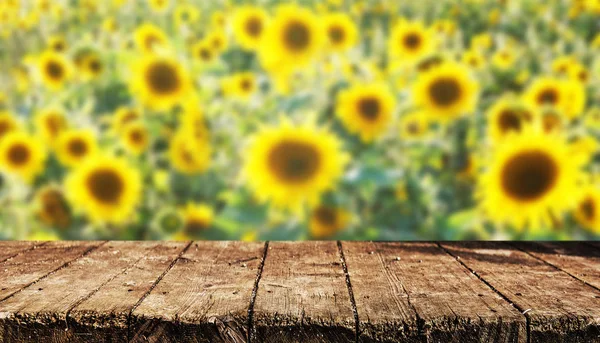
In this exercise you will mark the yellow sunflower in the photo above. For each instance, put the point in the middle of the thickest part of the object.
(105, 188)
(52, 207)
(22, 155)
(217, 40)
(507, 115)
(414, 125)
(341, 32)
(123, 116)
(160, 82)
(135, 138)
(54, 69)
(92, 66)
(8, 123)
(197, 218)
(188, 154)
(192, 121)
(325, 221)
(587, 212)
(185, 14)
(366, 109)
(159, 6)
(74, 146)
(293, 165)
(50, 123)
(474, 59)
(446, 92)
(567, 97)
(249, 25)
(203, 52)
(531, 180)
(57, 44)
(241, 85)
(149, 37)
(504, 59)
(293, 39)
(410, 41)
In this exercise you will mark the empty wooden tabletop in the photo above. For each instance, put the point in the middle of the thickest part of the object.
(116, 291)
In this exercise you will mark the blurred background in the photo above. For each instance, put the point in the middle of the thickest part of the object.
(276, 120)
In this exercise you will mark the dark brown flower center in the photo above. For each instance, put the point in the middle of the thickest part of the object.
(137, 136)
(105, 185)
(369, 108)
(19, 154)
(294, 162)
(326, 215)
(95, 66)
(77, 147)
(55, 124)
(429, 63)
(529, 175)
(296, 36)
(254, 26)
(588, 209)
(336, 34)
(548, 96)
(246, 84)
(509, 120)
(445, 91)
(412, 40)
(55, 70)
(162, 78)
(205, 54)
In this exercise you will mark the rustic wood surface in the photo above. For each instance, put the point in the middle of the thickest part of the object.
(299, 292)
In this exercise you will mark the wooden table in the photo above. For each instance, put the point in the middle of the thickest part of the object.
(299, 292)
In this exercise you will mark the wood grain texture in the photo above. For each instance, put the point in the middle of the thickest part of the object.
(42, 309)
(449, 304)
(579, 259)
(11, 249)
(104, 316)
(302, 295)
(30, 266)
(559, 308)
(299, 292)
(203, 298)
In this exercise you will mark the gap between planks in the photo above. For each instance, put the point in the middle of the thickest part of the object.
(553, 265)
(259, 274)
(503, 296)
(64, 265)
(33, 246)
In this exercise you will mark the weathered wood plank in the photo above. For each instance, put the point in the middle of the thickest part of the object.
(559, 308)
(10, 249)
(302, 295)
(105, 315)
(42, 310)
(32, 265)
(203, 298)
(576, 258)
(383, 306)
(396, 283)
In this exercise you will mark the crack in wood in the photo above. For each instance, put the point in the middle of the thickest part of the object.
(255, 292)
(35, 246)
(160, 277)
(512, 303)
(350, 291)
(553, 265)
(64, 265)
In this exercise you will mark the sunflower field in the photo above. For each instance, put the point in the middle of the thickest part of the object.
(276, 120)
